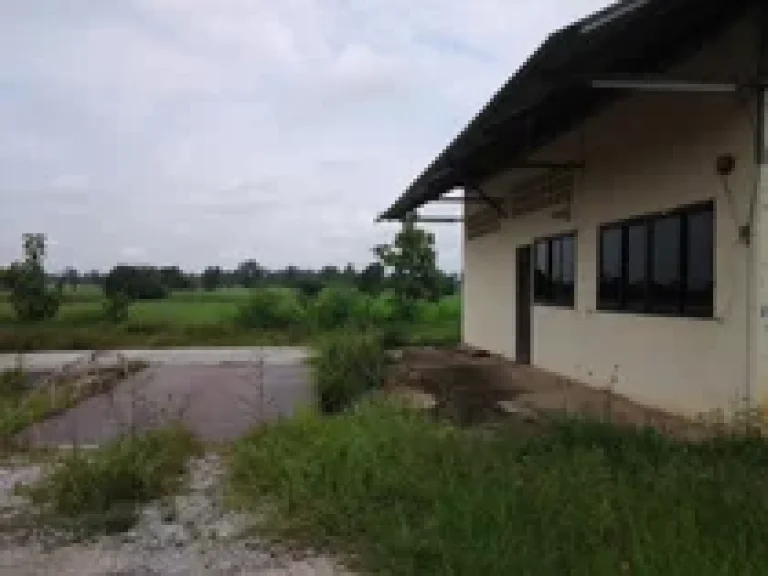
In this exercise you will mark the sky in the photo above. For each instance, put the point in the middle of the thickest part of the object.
(206, 132)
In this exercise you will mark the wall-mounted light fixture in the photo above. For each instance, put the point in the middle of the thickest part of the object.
(725, 164)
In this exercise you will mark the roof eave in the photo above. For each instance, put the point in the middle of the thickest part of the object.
(552, 58)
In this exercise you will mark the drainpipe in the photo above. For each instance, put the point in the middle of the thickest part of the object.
(754, 308)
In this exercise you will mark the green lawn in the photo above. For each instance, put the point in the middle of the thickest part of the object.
(192, 318)
(174, 310)
(403, 495)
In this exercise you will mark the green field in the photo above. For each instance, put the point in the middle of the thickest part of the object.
(203, 318)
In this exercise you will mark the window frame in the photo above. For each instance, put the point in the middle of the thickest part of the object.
(685, 308)
(555, 298)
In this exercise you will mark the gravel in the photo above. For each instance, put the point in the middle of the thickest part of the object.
(189, 534)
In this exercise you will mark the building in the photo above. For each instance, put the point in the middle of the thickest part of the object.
(616, 205)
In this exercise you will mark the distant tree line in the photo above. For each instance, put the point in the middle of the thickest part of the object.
(156, 282)
(406, 268)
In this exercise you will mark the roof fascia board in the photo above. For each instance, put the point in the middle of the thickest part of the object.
(663, 85)
(612, 14)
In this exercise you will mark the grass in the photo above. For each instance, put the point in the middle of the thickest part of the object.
(346, 366)
(200, 318)
(101, 490)
(400, 494)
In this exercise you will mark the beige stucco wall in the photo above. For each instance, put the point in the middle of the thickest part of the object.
(647, 153)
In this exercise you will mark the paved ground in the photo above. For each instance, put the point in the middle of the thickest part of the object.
(218, 393)
(175, 356)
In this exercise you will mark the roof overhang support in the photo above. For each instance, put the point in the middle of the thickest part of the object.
(462, 200)
(644, 83)
(438, 219)
(492, 202)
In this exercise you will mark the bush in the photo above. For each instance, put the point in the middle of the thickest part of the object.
(446, 309)
(337, 307)
(383, 308)
(13, 382)
(100, 489)
(270, 309)
(116, 307)
(347, 365)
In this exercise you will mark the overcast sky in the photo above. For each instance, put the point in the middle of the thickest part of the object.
(196, 132)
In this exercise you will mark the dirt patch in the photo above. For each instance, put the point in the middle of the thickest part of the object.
(472, 387)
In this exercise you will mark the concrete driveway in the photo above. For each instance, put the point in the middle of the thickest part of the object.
(219, 393)
(173, 356)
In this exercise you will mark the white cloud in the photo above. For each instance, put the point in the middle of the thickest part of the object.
(196, 132)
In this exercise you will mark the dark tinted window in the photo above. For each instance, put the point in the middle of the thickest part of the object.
(555, 271)
(666, 278)
(569, 269)
(700, 250)
(541, 271)
(637, 266)
(611, 256)
(661, 264)
(556, 246)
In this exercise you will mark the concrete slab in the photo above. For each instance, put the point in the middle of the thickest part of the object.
(51, 360)
(218, 403)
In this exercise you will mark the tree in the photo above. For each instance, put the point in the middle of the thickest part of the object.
(71, 277)
(250, 274)
(92, 277)
(174, 279)
(211, 278)
(31, 296)
(309, 286)
(135, 283)
(349, 274)
(449, 284)
(329, 274)
(413, 262)
(5, 278)
(371, 279)
(116, 307)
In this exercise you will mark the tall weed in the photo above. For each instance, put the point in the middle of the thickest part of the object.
(346, 365)
(405, 495)
(101, 489)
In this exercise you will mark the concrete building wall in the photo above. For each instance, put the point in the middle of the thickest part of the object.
(649, 152)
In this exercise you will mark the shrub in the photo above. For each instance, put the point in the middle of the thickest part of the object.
(270, 309)
(449, 308)
(383, 308)
(347, 365)
(116, 307)
(13, 382)
(445, 309)
(337, 307)
(100, 489)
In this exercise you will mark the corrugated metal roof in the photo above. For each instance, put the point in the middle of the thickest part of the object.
(548, 95)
